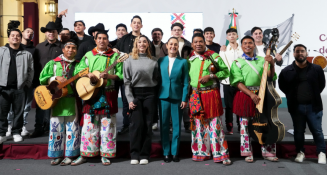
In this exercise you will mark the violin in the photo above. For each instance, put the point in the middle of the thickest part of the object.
(214, 67)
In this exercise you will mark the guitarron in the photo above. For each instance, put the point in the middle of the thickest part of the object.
(265, 126)
(47, 96)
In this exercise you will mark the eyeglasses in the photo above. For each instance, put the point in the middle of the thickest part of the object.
(64, 34)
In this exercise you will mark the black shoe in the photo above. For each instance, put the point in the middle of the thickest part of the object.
(187, 130)
(123, 130)
(37, 133)
(175, 158)
(167, 159)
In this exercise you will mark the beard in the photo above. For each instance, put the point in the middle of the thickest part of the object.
(300, 59)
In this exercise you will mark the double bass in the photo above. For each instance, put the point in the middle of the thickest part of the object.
(265, 127)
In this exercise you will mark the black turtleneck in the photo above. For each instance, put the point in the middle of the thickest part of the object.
(12, 72)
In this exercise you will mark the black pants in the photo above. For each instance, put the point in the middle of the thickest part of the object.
(140, 128)
(16, 98)
(120, 85)
(229, 93)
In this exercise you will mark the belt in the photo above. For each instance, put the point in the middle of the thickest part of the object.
(206, 88)
(253, 88)
(110, 87)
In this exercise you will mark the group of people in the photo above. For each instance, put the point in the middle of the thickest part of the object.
(170, 81)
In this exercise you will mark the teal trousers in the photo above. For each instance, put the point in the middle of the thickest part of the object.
(170, 108)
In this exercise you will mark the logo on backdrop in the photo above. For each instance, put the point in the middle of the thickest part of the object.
(180, 18)
(285, 33)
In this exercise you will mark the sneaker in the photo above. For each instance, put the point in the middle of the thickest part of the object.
(322, 158)
(134, 162)
(300, 157)
(17, 138)
(144, 162)
(37, 133)
(24, 131)
(3, 139)
(8, 133)
(229, 127)
(155, 126)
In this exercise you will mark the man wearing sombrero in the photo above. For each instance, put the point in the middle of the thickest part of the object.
(90, 44)
(45, 51)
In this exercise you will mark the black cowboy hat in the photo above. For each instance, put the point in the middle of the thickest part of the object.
(49, 26)
(98, 27)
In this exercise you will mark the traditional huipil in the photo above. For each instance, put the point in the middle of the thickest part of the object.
(98, 134)
(64, 120)
(207, 129)
(243, 105)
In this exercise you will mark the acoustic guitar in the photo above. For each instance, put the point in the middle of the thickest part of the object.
(86, 89)
(294, 37)
(265, 127)
(47, 96)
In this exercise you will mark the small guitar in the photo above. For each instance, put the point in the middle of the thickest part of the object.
(47, 96)
(86, 89)
(294, 37)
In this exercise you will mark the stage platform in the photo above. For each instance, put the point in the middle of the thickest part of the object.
(36, 148)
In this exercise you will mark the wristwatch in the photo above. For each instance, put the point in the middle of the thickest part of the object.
(211, 76)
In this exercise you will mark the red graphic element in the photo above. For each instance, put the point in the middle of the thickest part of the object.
(178, 17)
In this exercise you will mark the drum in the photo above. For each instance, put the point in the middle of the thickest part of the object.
(321, 61)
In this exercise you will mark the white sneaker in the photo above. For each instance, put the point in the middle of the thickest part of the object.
(134, 162)
(3, 139)
(17, 138)
(300, 157)
(155, 126)
(24, 131)
(144, 162)
(322, 158)
(8, 133)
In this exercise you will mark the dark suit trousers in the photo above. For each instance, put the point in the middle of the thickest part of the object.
(140, 128)
(229, 93)
(16, 98)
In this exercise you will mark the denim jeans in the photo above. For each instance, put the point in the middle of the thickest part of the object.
(120, 85)
(303, 115)
(29, 94)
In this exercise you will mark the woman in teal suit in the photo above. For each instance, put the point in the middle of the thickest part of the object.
(173, 97)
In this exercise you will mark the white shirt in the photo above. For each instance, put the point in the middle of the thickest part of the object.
(157, 47)
(228, 57)
(259, 50)
(171, 63)
(181, 44)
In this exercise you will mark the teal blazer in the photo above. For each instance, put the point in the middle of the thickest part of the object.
(176, 85)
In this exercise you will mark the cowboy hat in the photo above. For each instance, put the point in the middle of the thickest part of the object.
(49, 26)
(98, 27)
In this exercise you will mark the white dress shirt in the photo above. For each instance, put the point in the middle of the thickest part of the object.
(228, 57)
(171, 63)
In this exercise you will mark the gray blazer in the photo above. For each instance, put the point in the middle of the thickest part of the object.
(24, 65)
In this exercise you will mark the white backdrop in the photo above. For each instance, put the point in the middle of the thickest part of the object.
(150, 21)
(309, 19)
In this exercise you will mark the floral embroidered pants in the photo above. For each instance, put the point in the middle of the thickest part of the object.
(99, 137)
(209, 138)
(246, 148)
(58, 138)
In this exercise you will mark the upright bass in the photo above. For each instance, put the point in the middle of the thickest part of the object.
(265, 127)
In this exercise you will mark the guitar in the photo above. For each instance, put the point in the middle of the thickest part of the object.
(47, 96)
(294, 37)
(86, 89)
(265, 126)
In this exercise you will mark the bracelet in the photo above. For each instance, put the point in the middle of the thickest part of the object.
(211, 76)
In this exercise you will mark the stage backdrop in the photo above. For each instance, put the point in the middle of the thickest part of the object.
(308, 20)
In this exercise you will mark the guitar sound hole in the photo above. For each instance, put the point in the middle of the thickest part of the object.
(93, 83)
(53, 91)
